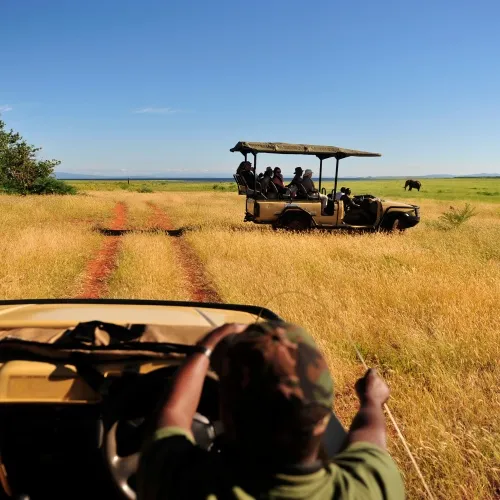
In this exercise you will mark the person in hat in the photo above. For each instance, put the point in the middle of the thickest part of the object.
(309, 186)
(296, 181)
(338, 196)
(276, 396)
(266, 179)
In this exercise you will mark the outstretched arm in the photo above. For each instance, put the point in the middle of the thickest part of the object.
(184, 398)
(369, 423)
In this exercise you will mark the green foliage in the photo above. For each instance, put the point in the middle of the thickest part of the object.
(21, 172)
(145, 189)
(455, 217)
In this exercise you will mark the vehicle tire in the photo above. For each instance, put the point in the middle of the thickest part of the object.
(393, 226)
(295, 221)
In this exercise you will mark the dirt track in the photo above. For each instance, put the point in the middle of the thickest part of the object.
(100, 268)
(200, 287)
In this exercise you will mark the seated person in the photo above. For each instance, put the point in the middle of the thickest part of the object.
(278, 181)
(296, 181)
(348, 201)
(241, 168)
(309, 186)
(266, 179)
(248, 175)
(276, 396)
(338, 196)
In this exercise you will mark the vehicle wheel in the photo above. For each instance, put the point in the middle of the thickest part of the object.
(294, 220)
(298, 225)
(396, 226)
(393, 226)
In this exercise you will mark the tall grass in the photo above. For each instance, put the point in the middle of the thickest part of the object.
(46, 243)
(147, 269)
(423, 307)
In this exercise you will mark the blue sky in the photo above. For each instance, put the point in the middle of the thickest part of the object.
(115, 86)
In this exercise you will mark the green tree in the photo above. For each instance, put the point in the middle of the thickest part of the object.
(20, 169)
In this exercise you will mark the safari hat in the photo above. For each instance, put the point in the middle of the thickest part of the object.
(298, 170)
(276, 357)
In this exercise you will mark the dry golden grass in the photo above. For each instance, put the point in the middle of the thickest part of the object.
(46, 243)
(423, 306)
(147, 269)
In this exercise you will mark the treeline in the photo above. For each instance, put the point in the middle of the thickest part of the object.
(22, 172)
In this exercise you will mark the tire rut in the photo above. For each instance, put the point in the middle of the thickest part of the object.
(200, 286)
(104, 263)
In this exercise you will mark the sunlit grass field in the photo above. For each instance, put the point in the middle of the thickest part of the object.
(422, 306)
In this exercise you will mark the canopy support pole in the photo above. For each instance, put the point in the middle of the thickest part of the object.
(336, 178)
(255, 175)
(320, 172)
(246, 156)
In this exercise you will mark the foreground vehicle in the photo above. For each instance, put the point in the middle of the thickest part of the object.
(303, 211)
(80, 383)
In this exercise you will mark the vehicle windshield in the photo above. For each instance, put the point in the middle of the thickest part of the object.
(169, 167)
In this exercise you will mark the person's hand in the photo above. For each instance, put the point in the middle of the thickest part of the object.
(212, 338)
(371, 389)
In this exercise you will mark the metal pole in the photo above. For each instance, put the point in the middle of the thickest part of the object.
(320, 172)
(255, 174)
(336, 177)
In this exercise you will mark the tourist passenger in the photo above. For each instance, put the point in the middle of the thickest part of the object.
(310, 188)
(279, 181)
(249, 175)
(266, 179)
(338, 196)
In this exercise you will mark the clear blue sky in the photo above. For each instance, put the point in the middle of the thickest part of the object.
(156, 86)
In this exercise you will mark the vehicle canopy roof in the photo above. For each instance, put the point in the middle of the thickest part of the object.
(284, 148)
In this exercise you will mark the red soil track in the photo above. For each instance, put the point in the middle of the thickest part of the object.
(200, 287)
(104, 263)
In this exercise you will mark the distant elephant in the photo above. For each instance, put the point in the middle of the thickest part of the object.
(413, 184)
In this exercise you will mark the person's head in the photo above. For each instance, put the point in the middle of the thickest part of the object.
(268, 172)
(347, 191)
(277, 171)
(342, 189)
(308, 173)
(276, 393)
(298, 171)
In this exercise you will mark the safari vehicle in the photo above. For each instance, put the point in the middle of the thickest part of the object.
(303, 211)
(80, 383)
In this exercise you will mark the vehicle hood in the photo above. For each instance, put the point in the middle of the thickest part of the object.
(391, 203)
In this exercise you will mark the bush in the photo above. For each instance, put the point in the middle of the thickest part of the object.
(48, 185)
(455, 217)
(145, 189)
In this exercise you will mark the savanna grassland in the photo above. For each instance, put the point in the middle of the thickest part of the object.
(422, 306)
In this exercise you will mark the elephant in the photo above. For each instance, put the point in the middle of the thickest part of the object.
(413, 184)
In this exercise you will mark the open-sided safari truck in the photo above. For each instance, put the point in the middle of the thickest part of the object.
(303, 211)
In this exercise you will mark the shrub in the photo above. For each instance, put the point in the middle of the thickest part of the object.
(455, 217)
(47, 185)
(145, 189)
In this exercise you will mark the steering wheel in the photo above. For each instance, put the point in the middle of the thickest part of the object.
(123, 467)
